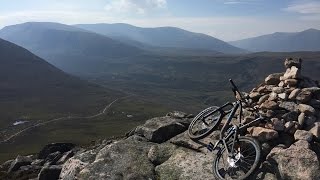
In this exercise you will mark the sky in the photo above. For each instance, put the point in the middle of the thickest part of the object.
(224, 19)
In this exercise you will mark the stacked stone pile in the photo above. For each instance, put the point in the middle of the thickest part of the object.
(290, 138)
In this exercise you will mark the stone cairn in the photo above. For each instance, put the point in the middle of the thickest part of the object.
(290, 139)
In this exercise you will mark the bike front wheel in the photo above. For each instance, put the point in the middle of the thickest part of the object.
(241, 164)
(204, 123)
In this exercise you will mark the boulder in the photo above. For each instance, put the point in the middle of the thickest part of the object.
(307, 109)
(263, 98)
(186, 164)
(18, 162)
(159, 153)
(161, 129)
(50, 172)
(277, 124)
(278, 90)
(65, 157)
(304, 96)
(291, 73)
(296, 162)
(263, 134)
(303, 135)
(269, 105)
(52, 158)
(273, 96)
(290, 116)
(290, 82)
(124, 159)
(255, 95)
(283, 96)
(291, 127)
(290, 106)
(54, 147)
(273, 79)
(294, 94)
(302, 119)
(315, 130)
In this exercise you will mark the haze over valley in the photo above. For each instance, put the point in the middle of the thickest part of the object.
(77, 80)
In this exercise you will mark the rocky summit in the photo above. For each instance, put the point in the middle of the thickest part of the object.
(161, 148)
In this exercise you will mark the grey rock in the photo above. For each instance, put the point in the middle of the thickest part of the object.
(302, 119)
(50, 172)
(269, 105)
(54, 147)
(291, 73)
(290, 116)
(295, 162)
(65, 157)
(263, 134)
(160, 153)
(315, 130)
(162, 128)
(263, 98)
(303, 135)
(290, 106)
(294, 94)
(273, 79)
(278, 90)
(304, 96)
(273, 96)
(307, 109)
(18, 162)
(290, 82)
(283, 96)
(194, 166)
(125, 159)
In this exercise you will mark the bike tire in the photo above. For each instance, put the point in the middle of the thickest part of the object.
(205, 113)
(254, 143)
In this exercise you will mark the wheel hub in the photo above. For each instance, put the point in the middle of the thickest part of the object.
(233, 160)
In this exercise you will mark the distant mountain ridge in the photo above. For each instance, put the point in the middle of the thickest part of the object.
(308, 40)
(161, 37)
(66, 47)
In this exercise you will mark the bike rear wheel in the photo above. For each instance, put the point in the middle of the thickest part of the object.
(204, 123)
(246, 159)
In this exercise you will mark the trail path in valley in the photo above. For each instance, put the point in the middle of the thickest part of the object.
(103, 111)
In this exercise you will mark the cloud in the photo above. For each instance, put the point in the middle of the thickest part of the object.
(304, 7)
(139, 7)
(309, 10)
(235, 2)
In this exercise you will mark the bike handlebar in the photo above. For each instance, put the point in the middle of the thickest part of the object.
(235, 89)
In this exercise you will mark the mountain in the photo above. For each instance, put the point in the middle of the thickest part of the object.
(308, 40)
(67, 47)
(34, 89)
(161, 37)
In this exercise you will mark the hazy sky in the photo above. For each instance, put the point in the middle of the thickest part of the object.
(224, 19)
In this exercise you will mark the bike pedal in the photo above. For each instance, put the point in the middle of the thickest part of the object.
(210, 147)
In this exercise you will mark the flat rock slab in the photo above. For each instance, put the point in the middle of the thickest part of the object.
(161, 129)
(186, 164)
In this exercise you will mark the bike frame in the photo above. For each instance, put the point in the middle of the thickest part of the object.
(234, 130)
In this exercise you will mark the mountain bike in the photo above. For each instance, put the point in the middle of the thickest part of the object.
(238, 155)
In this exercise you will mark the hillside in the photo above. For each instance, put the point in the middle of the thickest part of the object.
(32, 88)
(67, 47)
(161, 37)
(307, 40)
(285, 143)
